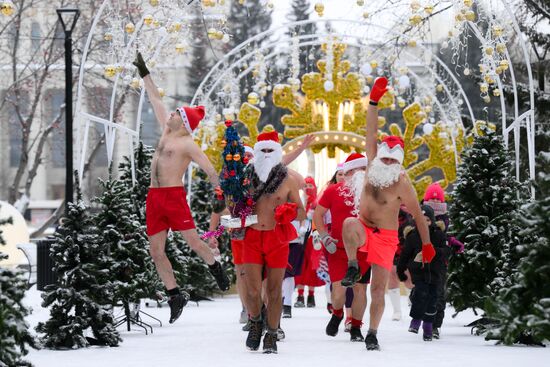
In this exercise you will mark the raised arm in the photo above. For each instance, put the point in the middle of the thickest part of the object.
(152, 91)
(288, 158)
(198, 156)
(378, 89)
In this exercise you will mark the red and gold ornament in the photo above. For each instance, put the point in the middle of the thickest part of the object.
(229, 157)
(237, 157)
(228, 123)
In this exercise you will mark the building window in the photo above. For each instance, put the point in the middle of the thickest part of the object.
(57, 139)
(150, 130)
(35, 36)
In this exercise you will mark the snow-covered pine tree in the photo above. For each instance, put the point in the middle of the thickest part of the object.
(132, 272)
(15, 337)
(82, 298)
(522, 309)
(482, 212)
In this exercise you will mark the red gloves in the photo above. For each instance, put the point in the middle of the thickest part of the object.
(286, 213)
(428, 252)
(379, 87)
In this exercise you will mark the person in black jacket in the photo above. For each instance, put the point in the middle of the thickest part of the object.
(426, 277)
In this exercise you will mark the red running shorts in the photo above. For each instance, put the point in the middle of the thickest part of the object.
(338, 264)
(166, 208)
(380, 246)
(264, 247)
(237, 250)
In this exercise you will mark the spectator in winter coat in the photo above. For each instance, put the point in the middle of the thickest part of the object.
(427, 277)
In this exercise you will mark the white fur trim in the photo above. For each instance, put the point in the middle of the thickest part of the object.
(248, 149)
(183, 115)
(396, 152)
(266, 144)
(356, 163)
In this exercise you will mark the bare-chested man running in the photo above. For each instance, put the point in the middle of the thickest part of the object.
(267, 242)
(386, 187)
(166, 206)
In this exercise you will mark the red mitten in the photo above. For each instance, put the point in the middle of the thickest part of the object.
(286, 213)
(428, 253)
(379, 87)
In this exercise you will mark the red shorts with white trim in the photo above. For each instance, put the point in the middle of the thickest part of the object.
(265, 247)
(166, 208)
(237, 250)
(380, 246)
(338, 264)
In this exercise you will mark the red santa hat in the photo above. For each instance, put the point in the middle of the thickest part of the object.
(268, 140)
(355, 160)
(248, 149)
(191, 117)
(392, 147)
(434, 191)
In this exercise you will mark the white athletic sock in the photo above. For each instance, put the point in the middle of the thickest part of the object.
(395, 298)
(288, 289)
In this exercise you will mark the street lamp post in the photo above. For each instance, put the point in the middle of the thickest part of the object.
(68, 18)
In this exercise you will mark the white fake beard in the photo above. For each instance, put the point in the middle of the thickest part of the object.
(356, 185)
(264, 162)
(382, 175)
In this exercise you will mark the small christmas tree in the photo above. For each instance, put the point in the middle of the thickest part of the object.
(522, 309)
(14, 331)
(83, 295)
(485, 199)
(132, 272)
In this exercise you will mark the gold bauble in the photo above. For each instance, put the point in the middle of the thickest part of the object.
(401, 102)
(270, 5)
(180, 48)
(360, 2)
(484, 87)
(319, 9)
(148, 19)
(161, 91)
(468, 3)
(429, 9)
(487, 99)
(489, 79)
(415, 5)
(470, 15)
(110, 71)
(135, 83)
(229, 157)
(411, 43)
(366, 15)
(459, 17)
(439, 88)
(253, 98)
(219, 35)
(211, 33)
(482, 68)
(237, 157)
(108, 36)
(119, 68)
(428, 109)
(176, 26)
(242, 2)
(501, 48)
(392, 107)
(489, 50)
(130, 28)
(496, 92)
(154, 2)
(374, 64)
(208, 3)
(499, 70)
(504, 64)
(416, 19)
(369, 79)
(7, 8)
(497, 31)
(466, 71)
(156, 23)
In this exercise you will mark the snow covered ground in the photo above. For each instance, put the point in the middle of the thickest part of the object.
(209, 335)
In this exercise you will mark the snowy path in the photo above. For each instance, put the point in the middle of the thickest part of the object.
(209, 335)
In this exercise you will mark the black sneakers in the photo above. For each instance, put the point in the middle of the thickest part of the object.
(287, 312)
(255, 335)
(352, 276)
(355, 334)
(371, 342)
(300, 302)
(177, 303)
(270, 342)
(333, 324)
(310, 301)
(218, 272)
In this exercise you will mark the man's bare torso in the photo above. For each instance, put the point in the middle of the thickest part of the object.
(170, 160)
(380, 207)
(265, 207)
